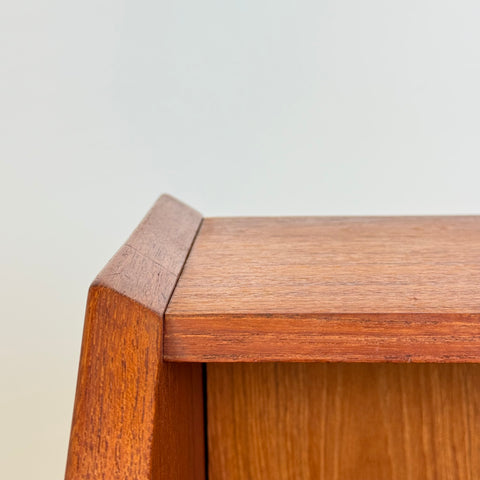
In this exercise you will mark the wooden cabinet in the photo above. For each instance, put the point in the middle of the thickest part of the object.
(331, 348)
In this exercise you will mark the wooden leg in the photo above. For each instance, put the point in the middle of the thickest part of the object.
(137, 417)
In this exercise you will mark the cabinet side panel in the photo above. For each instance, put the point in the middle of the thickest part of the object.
(136, 417)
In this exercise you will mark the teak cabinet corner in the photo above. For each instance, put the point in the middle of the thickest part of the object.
(330, 348)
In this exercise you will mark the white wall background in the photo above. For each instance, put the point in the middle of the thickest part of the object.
(248, 107)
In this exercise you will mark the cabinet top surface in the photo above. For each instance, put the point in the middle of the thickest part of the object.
(311, 265)
(329, 289)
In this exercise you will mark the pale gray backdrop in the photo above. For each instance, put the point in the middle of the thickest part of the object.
(236, 107)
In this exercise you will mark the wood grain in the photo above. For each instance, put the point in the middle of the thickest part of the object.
(343, 421)
(366, 289)
(136, 417)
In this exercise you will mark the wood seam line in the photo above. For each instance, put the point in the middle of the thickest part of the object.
(175, 286)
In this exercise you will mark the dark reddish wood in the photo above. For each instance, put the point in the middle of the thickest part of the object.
(136, 417)
(368, 289)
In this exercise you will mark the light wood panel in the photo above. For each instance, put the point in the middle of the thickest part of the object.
(136, 417)
(344, 421)
(327, 288)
